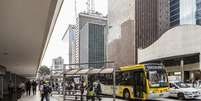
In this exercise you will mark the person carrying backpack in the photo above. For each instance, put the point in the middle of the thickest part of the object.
(45, 91)
(90, 92)
(98, 90)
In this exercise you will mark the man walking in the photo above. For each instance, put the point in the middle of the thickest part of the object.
(34, 85)
(11, 88)
(28, 88)
(45, 91)
(98, 90)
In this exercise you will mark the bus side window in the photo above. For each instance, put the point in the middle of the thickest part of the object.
(106, 79)
(127, 78)
(103, 78)
(118, 78)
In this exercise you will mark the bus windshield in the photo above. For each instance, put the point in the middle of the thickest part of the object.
(157, 78)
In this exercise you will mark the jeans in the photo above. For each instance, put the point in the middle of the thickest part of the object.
(45, 96)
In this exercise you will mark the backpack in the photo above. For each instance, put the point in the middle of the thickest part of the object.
(46, 90)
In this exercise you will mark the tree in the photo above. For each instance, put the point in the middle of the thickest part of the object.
(44, 70)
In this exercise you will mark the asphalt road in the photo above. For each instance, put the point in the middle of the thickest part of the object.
(118, 99)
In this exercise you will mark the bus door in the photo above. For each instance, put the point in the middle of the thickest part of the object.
(139, 86)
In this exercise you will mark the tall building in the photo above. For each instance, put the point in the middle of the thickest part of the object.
(198, 12)
(181, 42)
(185, 12)
(57, 63)
(163, 16)
(92, 32)
(136, 25)
(121, 47)
(174, 12)
(69, 36)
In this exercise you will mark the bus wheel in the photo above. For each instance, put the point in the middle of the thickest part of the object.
(126, 94)
(180, 96)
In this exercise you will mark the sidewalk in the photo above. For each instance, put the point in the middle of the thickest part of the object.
(37, 97)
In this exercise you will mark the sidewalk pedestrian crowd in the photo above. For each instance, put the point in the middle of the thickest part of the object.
(24, 87)
(90, 89)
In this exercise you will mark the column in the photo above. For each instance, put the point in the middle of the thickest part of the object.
(182, 69)
(200, 61)
(161, 63)
(191, 75)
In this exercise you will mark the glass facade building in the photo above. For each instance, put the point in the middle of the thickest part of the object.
(92, 33)
(174, 12)
(198, 12)
(96, 45)
(185, 12)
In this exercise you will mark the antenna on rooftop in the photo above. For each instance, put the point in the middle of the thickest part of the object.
(90, 6)
(75, 8)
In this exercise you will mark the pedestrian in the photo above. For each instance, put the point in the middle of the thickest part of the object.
(98, 90)
(82, 89)
(22, 86)
(69, 87)
(10, 88)
(45, 91)
(40, 83)
(20, 89)
(53, 86)
(28, 88)
(34, 86)
(74, 87)
(57, 86)
(90, 92)
(195, 83)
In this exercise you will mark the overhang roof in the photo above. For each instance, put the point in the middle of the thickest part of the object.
(25, 29)
(107, 70)
(178, 41)
(95, 71)
(82, 72)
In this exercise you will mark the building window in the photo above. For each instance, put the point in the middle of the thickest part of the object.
(175, 23)
(174, 12)
(175, 17)
(198, 12)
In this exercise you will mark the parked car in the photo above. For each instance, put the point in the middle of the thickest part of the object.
(182, 91)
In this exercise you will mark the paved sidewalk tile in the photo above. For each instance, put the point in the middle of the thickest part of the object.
(37, 97)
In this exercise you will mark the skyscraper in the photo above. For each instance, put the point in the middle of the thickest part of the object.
(185, 12)
(70, 37)
(57, 63)
(198, 12)
(92, 32)
(137, 24)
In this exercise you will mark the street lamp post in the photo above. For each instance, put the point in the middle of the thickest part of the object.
(114, 83)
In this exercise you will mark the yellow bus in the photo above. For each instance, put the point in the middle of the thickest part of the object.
(144, 81)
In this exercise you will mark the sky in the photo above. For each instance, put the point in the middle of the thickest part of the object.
(57, 47)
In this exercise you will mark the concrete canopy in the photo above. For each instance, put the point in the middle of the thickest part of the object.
(25, 30)
(178, 41)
